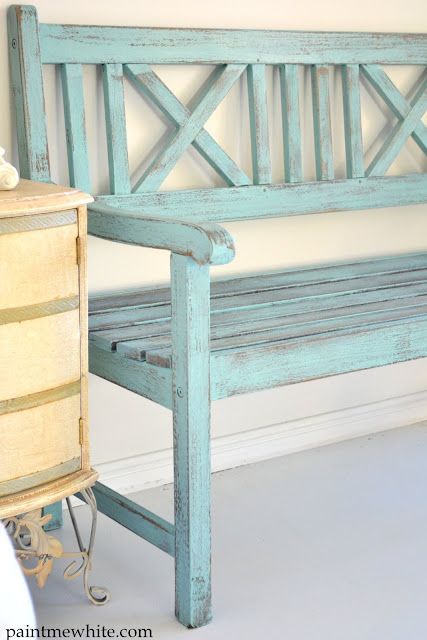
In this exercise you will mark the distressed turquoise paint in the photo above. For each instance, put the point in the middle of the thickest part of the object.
(191, 422)
(267, 329)
(278, 364)
(322, 122)
(352, 121)
(289, 86)
(258, 118)
(394, 100)
(141, 378)
(205, 242)
(214, 91)
(278, 200)
(75, 126)
(400, 132)
(150, 85)
(55, 510)
(27, 89)
(98, 45)
(115, 121)
(131, 515)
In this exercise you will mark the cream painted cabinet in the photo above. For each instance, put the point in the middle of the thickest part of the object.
(44, 454)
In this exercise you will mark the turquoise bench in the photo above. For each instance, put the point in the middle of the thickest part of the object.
(192, 343)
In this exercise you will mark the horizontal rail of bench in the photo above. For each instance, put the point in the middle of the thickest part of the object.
(264, 366)
(131, 515)
(244, 370)
(96, 44)
(271, 201)
(144, 379)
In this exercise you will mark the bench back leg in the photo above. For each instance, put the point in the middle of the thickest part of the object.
(191, 422)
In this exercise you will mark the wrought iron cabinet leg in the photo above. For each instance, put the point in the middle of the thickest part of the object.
(191, 421)
(97, 595)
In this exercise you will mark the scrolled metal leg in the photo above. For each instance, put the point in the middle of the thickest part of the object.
(96, 595)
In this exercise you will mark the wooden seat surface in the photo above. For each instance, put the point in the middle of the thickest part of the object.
(280, 308)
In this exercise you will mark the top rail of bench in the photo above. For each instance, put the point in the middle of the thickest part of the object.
(99, 44)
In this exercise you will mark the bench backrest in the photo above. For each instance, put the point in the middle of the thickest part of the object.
(131, 52)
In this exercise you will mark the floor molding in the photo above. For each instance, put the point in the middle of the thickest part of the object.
(153, 469)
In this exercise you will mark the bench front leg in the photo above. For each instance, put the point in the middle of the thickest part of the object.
(191, 423)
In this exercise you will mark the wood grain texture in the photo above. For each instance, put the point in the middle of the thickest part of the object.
(148, 84)
(115, 122)
(400, 132)
(258, 118)
(191, 434)
(146, 380)
(279, 364)
(211, 95)
(322, 122)
(98, 45)
(131, 515)
(27, 87)
(181, 347)
(291, 125)
(385, 88)
(352, 121)
(205, 242)
(279, 200)
(75, 126)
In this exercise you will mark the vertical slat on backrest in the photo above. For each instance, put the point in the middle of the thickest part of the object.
(352, 121)
(289, 86)
(258, 115)
(27, 84)
(322, 122)
(115, 120)
(75, 126)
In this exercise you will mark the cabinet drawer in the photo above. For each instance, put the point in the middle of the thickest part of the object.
(38, 265)
(40, 444)
(39, 354)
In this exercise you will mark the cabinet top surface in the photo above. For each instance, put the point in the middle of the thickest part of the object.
(37, 197)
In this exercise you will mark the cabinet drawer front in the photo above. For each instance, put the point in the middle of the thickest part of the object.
(39, 444)
(38, 265)
(38, 354)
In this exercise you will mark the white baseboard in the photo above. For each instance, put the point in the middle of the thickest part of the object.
(153, 469)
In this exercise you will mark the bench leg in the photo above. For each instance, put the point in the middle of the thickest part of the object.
(56, 521)
(191, 412)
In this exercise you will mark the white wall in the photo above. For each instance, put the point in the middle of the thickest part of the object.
(125, 425)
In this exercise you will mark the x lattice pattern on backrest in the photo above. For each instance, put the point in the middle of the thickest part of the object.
(132, 54)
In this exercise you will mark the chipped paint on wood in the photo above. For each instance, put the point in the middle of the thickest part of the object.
(268, 329)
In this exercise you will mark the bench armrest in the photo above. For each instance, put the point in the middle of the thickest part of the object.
(205, 242)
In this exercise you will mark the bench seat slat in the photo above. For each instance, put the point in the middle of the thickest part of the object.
(157, 349)
(309, 296)
(102, 302)
(249, 320)
(263, 309)
(259, 367)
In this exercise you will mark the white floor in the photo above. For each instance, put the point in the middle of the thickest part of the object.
(327, 544)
